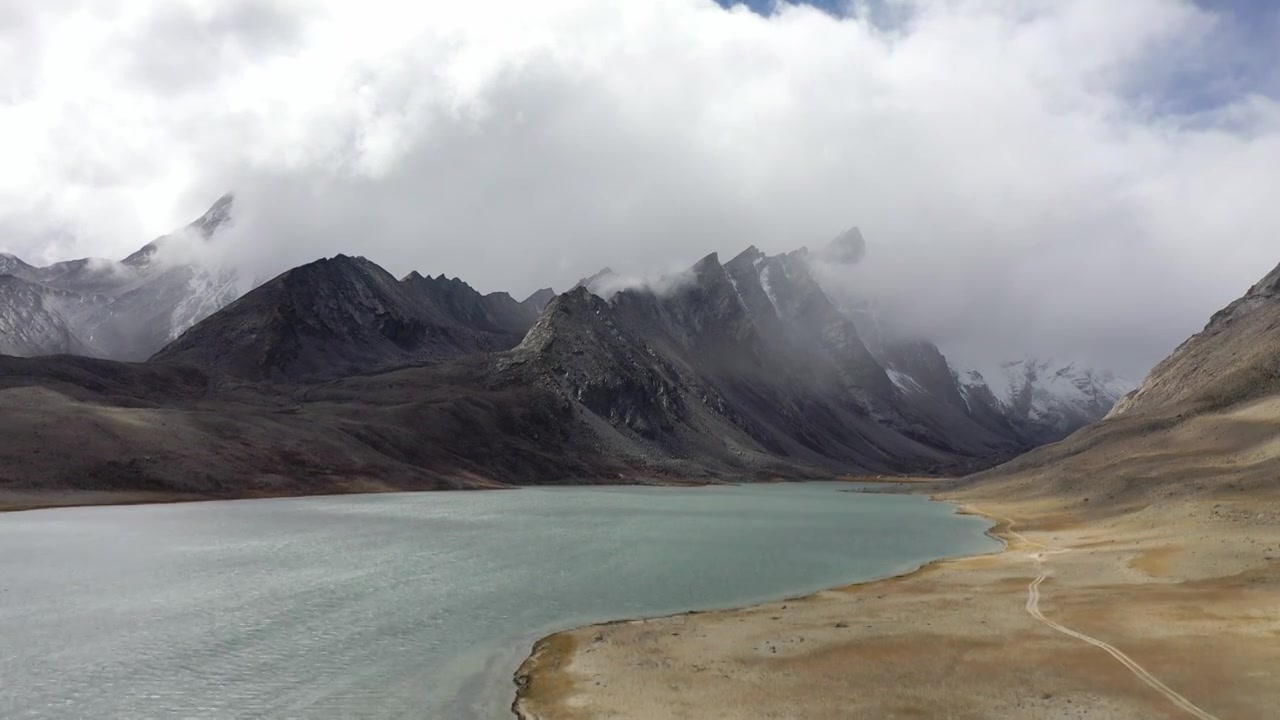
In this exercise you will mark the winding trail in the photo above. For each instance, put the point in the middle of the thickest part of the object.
(1033, 609)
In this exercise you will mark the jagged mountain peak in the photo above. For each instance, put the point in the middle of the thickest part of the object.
(847, 248)
(602, 273)
(603, 283)
(1268, 286)
(709, 275)
(577, 299)
(567, 312)
(750, 255)
(441, 279)
(539, 299)
(416, 277)
(708, 263)
(206, 226)
(454, 300)
(335, 267)
(216, 216)
(341, 259)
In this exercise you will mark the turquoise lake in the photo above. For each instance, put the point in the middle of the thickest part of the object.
(403, 605)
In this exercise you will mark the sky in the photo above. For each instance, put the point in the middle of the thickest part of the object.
(1084, 179)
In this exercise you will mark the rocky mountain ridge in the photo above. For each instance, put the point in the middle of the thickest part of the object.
(336, 371)
(346, 315)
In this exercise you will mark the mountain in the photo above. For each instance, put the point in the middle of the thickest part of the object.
(34, 319)
(134, 308)
(604, 283)
(1030, 401)
(13, 265)
(495, 312)
(1235, 358)
(783, 369)
(346, 315)
(217, 216)
(1203, 423)
(539, 300)
(847, 248)
(1044, 400)
(336, 376)
(745, 365)
(738, 369)
(122, 310)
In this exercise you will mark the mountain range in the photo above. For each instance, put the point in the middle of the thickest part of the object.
(122, 310)
(336, 375)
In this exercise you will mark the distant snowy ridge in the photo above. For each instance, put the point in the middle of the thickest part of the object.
(1046, 396)
(1033, 400)
(121, 310)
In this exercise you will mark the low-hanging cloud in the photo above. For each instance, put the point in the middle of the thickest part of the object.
(1021, 188)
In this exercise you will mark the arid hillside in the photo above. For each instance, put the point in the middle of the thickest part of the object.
(1205, 423)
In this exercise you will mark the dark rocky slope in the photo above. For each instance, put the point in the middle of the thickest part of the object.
(345, 316)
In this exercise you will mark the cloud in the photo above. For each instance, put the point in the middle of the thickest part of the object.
(1022, 181)
(180, 47)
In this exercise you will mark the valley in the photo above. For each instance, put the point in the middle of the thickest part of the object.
(677, 360)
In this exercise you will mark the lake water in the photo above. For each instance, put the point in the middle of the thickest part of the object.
(405, 605)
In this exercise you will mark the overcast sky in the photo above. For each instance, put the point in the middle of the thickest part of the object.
(1088, 179)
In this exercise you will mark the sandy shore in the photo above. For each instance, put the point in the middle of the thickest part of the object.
(17, 500)
(1176, 610)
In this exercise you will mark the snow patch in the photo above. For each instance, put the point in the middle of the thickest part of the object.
(737, 293)
(768, 288)
(904, 382)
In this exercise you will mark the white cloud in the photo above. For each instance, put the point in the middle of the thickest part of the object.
(1017, 192)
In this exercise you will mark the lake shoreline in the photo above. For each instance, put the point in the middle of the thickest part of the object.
(26, 500)
(552, 653)
(959, 638)
(22, 500)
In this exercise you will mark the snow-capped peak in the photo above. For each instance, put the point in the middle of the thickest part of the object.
(1053, 394)
(123, 309)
